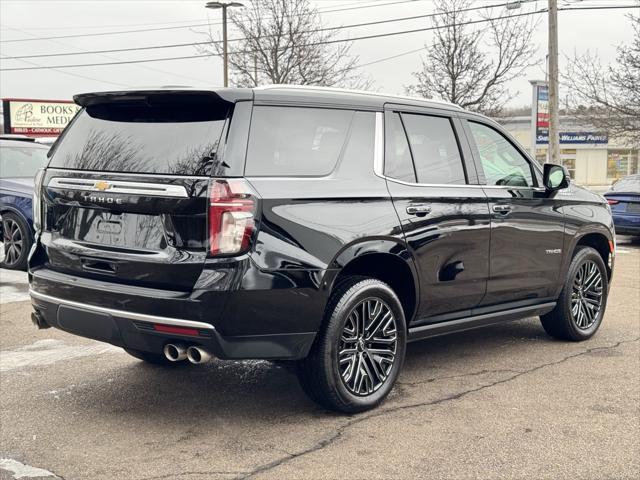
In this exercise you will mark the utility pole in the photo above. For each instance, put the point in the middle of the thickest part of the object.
(554, 118)
(225, 60)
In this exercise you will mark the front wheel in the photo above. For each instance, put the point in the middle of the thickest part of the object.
(359, 351)
(580, 308)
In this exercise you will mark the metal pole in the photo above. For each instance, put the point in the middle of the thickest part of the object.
(224, 45)
(534, 118)
(554, 131)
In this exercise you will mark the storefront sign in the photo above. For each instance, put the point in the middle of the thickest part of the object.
(542, 112)
(37, 118)
(577, 138)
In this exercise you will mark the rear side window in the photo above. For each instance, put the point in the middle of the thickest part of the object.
(166, 139)
(501, 162)
(296, 141)
(435, 149)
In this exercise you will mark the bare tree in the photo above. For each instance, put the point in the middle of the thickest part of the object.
(282, 41)
(471, 65)
(608, 97)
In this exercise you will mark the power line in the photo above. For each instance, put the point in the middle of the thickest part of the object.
(144, 67)
(192, 44)
(99, 34)
(75, 74)
(326, 42)
(125, 25)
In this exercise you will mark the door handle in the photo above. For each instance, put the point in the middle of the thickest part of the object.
(501, 208)
(419, 210)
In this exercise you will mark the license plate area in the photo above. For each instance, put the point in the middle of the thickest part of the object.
(116, 229)
(633, 208)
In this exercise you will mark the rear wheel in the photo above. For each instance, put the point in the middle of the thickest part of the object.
(359, 352)
(580, 308)
(17, 242)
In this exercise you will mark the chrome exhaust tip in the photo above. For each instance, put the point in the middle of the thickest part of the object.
(175, 352)
(198, 355)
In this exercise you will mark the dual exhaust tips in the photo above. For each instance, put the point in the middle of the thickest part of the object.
(176, 352)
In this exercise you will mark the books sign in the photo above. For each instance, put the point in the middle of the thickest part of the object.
(37, 118)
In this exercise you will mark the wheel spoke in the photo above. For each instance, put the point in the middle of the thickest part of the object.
(367, 346)
(586, 295)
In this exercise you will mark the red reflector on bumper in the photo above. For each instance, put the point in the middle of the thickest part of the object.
(177, 330)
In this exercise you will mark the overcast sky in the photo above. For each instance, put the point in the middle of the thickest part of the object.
(596, 30)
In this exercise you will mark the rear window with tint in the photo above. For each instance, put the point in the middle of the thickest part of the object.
(629, 184)
(165, 139)
(296, 141)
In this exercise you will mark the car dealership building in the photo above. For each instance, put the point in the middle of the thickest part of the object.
(593, 158)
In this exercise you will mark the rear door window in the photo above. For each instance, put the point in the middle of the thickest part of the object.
(436, 155)
(398, 163)
(165, 139)
(296, 141)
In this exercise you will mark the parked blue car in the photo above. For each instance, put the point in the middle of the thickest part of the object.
(624, 199)
(20, 160)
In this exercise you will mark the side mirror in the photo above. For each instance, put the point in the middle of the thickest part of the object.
(555, 177)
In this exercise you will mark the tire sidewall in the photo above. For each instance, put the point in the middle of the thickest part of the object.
(359, 292)
(583, 255)
(27, 241)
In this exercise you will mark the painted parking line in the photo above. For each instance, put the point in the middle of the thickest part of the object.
(49, 351)
(19, 470)
(14, 286)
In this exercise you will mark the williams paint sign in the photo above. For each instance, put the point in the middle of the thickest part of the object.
(37, 118)
(578, 138)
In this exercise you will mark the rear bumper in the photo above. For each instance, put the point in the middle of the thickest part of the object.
(145, 319)
(139, 331)
(627, 224)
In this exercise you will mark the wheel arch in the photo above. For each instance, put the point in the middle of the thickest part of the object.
(4, 208)
(599, 242)
(386, 260)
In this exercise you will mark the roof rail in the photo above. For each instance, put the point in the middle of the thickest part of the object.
(353, 91)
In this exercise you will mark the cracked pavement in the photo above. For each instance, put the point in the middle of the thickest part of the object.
(500, 402)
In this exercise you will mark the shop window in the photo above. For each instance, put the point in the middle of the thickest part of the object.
(621, 163)
(568, 160)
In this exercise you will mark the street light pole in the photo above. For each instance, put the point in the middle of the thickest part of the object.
(225, 59)
(554, 120)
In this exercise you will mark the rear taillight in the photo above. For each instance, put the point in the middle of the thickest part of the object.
(37, 200)
(232, 216)
(612, 202)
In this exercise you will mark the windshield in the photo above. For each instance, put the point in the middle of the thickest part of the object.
(166, 139)
(21, 161)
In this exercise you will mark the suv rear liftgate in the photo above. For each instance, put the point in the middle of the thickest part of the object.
(142, 210)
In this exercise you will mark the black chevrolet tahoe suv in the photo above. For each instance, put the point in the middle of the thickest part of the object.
(320, 227)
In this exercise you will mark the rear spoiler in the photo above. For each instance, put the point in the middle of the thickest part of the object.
(164, 95)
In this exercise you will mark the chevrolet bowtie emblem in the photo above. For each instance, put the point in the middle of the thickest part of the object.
(102, 185)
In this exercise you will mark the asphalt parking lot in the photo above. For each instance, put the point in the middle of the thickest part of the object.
(503, 402)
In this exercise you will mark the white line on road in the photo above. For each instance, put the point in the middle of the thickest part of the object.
(14, 286)
(20, 470)
(49, 351)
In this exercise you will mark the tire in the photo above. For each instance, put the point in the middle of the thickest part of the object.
(155, 358)
(17, 239)
(573, 317)
(363, 379)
